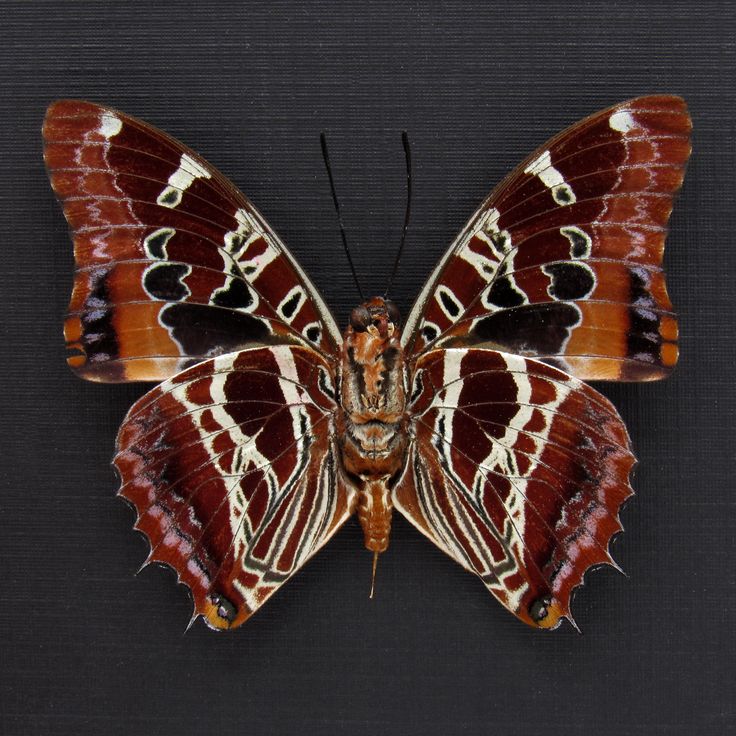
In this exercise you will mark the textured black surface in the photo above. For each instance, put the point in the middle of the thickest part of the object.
(86, 647)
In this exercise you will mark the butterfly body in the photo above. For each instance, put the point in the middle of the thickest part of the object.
(373, 423)
(270, 428)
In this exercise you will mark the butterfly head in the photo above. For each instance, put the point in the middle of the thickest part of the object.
(377, 319)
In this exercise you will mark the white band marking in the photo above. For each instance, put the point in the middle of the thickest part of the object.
(551, 178)
(181, 180)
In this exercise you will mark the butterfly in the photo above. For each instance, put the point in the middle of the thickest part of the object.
(270, 426)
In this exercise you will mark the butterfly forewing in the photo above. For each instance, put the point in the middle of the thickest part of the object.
(174, 264)
(516, 470)
(562, 262)
(233, 471)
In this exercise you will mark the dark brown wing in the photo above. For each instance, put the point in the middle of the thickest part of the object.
(517, 471)
(233, 471)
(174, 264)
(562, 262)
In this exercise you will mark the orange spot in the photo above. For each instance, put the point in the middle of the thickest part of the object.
(73, 332)
(669, 353)
(668, 328)
(76, 361)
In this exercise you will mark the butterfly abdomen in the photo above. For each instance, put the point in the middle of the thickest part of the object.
(374, 513)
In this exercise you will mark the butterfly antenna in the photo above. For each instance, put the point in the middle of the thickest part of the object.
(326, 157)
(373, 577)
(407, 214)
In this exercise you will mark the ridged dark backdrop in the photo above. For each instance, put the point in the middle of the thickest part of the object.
(86, 647)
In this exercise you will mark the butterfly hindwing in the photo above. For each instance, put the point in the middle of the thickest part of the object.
(516, 470)
(174, 264)
(562, 262)
(232, 469)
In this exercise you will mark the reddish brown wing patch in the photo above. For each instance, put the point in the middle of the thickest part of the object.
(174, 264)
(563, 261)
(232, 469)
(518, 472)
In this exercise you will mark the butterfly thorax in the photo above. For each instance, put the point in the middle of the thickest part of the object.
(372, 425)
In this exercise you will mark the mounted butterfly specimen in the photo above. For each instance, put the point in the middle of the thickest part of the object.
(270, 427)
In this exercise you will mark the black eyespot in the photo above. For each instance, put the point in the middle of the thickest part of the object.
(225, 609)
(312, 333)
(360, 318)
(429, 332)
(538, 609)
(393, 313)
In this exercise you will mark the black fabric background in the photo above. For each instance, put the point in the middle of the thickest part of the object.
(89, 648)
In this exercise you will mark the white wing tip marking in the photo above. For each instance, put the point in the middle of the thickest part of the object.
(110, 125)
(539, 164)
(622, 121)
(193, 168)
